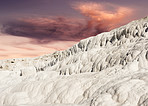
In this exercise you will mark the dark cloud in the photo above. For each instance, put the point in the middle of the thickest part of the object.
(45, 30)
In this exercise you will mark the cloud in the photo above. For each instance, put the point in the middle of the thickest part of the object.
(104, 15)
(45, 30)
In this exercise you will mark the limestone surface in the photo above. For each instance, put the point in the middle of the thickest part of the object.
(110, 69)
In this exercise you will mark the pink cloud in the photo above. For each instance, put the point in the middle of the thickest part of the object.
(101, 14)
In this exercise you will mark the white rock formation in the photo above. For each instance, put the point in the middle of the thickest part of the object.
(110, 69)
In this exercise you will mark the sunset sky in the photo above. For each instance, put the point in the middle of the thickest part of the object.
(30, 28)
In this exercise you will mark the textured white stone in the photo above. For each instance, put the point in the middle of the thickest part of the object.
(110, 69)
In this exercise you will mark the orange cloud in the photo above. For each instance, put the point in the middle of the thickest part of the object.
(104, 14)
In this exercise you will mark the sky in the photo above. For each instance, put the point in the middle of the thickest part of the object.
(30, 28)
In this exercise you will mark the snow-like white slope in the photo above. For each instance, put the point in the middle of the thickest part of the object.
(110, 69)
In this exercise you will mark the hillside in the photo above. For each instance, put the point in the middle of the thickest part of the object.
(108, 69)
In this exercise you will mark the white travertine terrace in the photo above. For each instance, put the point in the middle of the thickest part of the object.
(110, 69)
